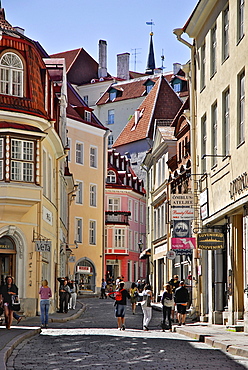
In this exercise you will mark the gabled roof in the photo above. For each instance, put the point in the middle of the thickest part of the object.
(81, 68)
(4, 24)
(161, 103)
(75, 105)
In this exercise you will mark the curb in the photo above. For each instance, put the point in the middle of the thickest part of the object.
(210, 340)
(72, 317)
(6, 352)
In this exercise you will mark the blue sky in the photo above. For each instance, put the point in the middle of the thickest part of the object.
(61, 25)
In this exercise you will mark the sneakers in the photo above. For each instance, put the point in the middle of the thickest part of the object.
(146, 328)
(122, 327)
(20, 318)
(179, 324)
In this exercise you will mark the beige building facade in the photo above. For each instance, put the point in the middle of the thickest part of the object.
(219, 153)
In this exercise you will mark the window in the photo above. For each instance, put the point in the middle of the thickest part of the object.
(93, 195)
(44, 173)
(69, 146)
(87, 116)
(79, 194)
(241, 107)
(213, 51)
(130, 240)
(111, 178)
(79, 153)
(130, 208)
(177, 87)
(119, 238)
(226, 122)
(148, 88)
(1, 159)
(111, 116)
(92, 232)
(112, 95)
(241, 5)
(214, 134)
(110, 140)
(136, 241)
(79, 223)
(113, 204)
(155, 224)
(136, 212)
(203, 66)
(93, 157)
(141, 214)
(50, 176)
(203, 141)
(225, 34)
(86, 99)
(11, 75)
(22, 160)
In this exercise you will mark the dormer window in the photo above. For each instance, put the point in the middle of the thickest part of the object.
(149, 85)
(112, 95)
(111, 178)
(177, 87)
(87, 116)
(11, 75)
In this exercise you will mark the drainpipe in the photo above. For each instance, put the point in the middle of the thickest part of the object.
(105, 167)
(178, 32)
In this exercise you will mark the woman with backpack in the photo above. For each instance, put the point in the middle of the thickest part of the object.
(134, 296)
(168, 303)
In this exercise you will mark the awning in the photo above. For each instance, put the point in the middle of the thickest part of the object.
(145, 254)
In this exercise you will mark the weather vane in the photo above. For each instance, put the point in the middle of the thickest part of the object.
(150, 24)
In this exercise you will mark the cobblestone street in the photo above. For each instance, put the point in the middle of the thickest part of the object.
(92, 341)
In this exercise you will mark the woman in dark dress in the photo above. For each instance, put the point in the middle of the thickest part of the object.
(6, 291)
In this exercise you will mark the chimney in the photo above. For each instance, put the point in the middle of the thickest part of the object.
(123, 66)
(176, 68)
(102, 68)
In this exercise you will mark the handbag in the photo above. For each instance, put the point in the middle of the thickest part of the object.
(15, 302)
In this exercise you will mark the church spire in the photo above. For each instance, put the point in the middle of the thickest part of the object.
(151, 59)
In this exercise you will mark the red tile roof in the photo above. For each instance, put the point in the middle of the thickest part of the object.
(3, 23)
(75, 103)
(161, 103)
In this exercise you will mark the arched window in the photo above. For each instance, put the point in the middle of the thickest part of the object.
(111, 177)
(11, 75)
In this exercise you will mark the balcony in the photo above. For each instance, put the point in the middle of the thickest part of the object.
(117, 217)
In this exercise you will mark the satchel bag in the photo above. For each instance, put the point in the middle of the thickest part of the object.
(15, 303)
(168, 302)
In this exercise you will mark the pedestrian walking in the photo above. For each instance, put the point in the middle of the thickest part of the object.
(146, 305)
(167, 302)
(120, 296)
(174, 283)
(103, 289)
(73, 298)
(7, 291)
(181, 298)
(45, 293)
(134, 293)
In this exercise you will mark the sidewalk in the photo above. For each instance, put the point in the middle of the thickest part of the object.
(27, 328)
(217, 336)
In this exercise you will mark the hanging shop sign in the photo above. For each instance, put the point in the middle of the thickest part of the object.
(204, 204)
(84, 269)
(210, 241)
(171, 255)
(182, 200)
(181, 229)
(43, 245)
(182, 213)
(183, 243)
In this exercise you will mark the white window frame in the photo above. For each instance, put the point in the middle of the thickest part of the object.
(87, 116)
(93, 194)
(93, 157)
(240, 21)
(214, 120)
(213, 63)
(92, 232)
(136, 213)
(130, 206)
(241, 107)
(113, 204)
(225, 35)
(11, 74)
(111, 116)
(79, 152)
(119, 238)
(20, 160)
(80, 192)
(111, 177)
(79, 229)
(226, 122)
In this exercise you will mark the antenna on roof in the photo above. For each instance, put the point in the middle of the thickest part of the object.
(162, 59)
(135, 55)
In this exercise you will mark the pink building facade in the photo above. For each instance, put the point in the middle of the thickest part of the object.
(125, 221)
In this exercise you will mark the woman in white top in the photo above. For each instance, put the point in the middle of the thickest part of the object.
(146, 305)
